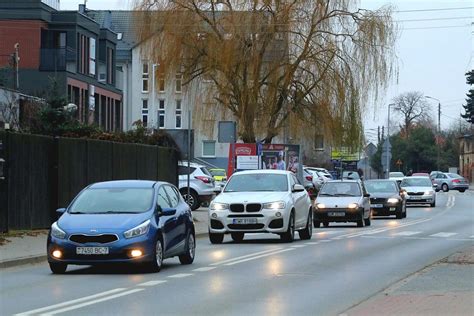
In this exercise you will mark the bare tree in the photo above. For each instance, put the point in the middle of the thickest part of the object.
(10, 108)
(275, 63)
(413, 108)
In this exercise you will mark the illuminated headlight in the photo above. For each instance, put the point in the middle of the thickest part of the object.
(274, 205)
(219, 206)
(353, 205)
(320, 205)
(392, 200)
(429, 192)
(139, 230)
(57, 232)
(57, 254)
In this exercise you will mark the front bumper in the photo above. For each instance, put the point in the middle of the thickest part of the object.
(456, 186)
(421, 199)
(265, 220)
(386, 209)
(338, 215)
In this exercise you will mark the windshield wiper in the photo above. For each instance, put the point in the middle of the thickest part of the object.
(345, 194)
(326, 194)
(78, 212)
(114, 212)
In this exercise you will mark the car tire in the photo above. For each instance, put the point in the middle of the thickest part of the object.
(289, 235)
(158, 254)
(367, 220)
(462, 190)
(192, 200)
(405, 211)
(445, 187)
(58, 267)
(307, 232)
(237, 237)
(316, 224)
(361, 221)
(326, 224)
(188, 256)
(216, 238)
(399, 213)
(433, 204)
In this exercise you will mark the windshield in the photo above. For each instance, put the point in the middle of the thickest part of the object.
(257, 182)
(381, 186)
(219, 173)
(396, 174)
(340, 189)
(350, 174)
(416, 182)
(120, 200)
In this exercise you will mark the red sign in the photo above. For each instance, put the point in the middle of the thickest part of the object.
(245, 149)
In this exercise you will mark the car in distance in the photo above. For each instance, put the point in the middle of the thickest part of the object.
(218, 174)
(450, 181)
(419, 190)
(386, 198)
(350, 175)
(127, 221)
(420, 174)
(202, 186)
(397, 176)
(254, 201)
(342, 201)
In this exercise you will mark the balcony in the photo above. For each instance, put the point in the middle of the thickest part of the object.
(56, 59)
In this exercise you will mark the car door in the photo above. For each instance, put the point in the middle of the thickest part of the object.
(181, 215)
(299, 203)
(168, 223)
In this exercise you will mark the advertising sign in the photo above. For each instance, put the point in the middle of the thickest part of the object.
(247, 162)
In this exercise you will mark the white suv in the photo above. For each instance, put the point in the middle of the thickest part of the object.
(201, 184)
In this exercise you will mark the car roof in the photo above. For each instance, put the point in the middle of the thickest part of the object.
(270, 171)
(382, 180)
(219, 169)
(125, 184)
(416, 177)
(191, 164)
(345, 180)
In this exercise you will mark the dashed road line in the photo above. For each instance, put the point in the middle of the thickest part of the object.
(298, 246)
(326, 240)
(329, 232)
(315, 243)
(245, 256)
(204, 269)
(152, 283)
(180, 275)
(443, 234)
(260, 256)
(406, 233)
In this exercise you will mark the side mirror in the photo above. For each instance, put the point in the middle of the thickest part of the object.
(366, 195)
(164, 212)
(60, 211)
(435, 185)
(298, 188)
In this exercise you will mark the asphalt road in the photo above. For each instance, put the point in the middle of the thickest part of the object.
(339, 267)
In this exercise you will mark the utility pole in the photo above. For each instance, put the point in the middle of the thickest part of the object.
(16, 59)
(439, 132)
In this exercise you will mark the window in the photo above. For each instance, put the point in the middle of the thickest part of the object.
(173, 195)
(183, 170)
(179, 79)
(208, 148)
(145, 112)
(92, 56)
(319, 142)
(83, 54)
(110, 65)
(145, 75)
(163, 199)
(161, 84)
(161, 114)
(178, 113)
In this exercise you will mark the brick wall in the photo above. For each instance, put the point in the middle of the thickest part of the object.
(28, 34)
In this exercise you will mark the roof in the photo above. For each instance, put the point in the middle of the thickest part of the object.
(381, 180)
(270, 171)
(125, 184)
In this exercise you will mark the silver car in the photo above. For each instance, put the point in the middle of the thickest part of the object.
(201, 184)
(419, 190)
(450, 181)
(271, 201)
(342, 201)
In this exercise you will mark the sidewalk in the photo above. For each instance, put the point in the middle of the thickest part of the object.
(30, 246)
(443, 288)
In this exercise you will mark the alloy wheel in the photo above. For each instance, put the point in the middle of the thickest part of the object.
(191, 246)
(159, 254)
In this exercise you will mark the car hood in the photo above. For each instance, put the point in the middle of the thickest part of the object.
(338, 201)
(250, 197)
(78, 222)
(383, 195)
(418, 189)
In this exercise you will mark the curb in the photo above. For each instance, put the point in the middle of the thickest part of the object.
(22, 261)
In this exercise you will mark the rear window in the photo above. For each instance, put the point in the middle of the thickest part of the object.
(454, 175)
(205, 171)
(184, 170)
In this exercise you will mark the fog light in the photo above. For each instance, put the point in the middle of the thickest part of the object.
(214, 215)
(136, 253)
(278, 214)
(57, 254)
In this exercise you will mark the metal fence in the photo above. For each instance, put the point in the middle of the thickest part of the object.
(43, 173)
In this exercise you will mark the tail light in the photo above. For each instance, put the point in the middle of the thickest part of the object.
(309, 178)
(203, 179)
(456, 180)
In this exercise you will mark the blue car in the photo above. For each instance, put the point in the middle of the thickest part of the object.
(130, 221)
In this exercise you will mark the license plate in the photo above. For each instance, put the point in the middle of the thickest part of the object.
(415, 197)
(244, 221)
(92, 250)
(336, 213)
(376, 205)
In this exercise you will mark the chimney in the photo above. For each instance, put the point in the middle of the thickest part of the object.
(82, 8)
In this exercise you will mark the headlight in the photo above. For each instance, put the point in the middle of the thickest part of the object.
(219, 206)
(139, 230)
(320, 205)
(274, 205)
(353, 205)
(57, 232)
(429, 192)
(392, 200)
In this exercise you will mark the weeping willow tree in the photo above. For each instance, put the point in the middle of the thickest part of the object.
(276, 64)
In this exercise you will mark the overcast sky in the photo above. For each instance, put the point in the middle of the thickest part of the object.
(433, 55)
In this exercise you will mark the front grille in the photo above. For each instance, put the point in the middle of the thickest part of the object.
(237, 208)
(245, 215)
(99, 239)
(416, 193)
(378, 200)
(254, 207)
(216, 224)
(276, 223)
(245, 226)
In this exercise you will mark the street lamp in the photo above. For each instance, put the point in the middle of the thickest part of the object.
(439, 129)
(387, 149)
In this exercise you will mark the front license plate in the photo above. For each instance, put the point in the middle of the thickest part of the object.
(377, 205)
(92, 250)
(244, 221)
(415, 197)
(336, 213)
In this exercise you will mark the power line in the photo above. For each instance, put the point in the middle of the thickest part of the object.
(441, 9)
(437, 19)
(436, 27)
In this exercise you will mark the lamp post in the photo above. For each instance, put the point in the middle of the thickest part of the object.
(387, 147)
(439, 129)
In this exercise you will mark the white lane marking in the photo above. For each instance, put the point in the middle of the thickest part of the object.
(298, 246)
(180, 275)
(417, 238)
(103, 299)
(316, 242)
(204, 269)
(152, 283)
(245, 256)
(451, 201)
(39, 310)
(384, 229)
(326, 240)
(472, 236)
(329, 232)
(406, 233)
(261, 256)
(443, 234)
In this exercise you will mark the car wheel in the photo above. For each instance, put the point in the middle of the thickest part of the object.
(462, 190)
(58, 267)
(188, 256)
(289, 235)
(316, 224)
(433, 204)
(367, 220)
(404, 211)
(361, 222)
(326, 224)
(307, 232)
(399, 213)
(156, 264)
(237, 237)
(216, 238)
(192, 199)
(445, 187)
